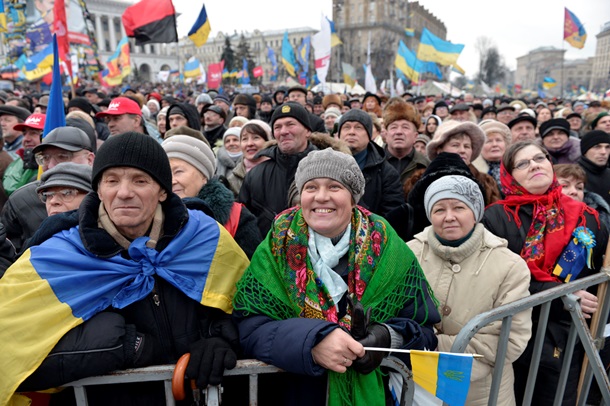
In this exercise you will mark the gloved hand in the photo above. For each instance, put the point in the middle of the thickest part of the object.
(209, 359)
(369, 335)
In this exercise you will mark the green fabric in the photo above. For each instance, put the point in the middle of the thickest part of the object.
(382, 273)
(15, 176)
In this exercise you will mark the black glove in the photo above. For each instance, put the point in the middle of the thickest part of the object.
(209, 359)
(369, 335)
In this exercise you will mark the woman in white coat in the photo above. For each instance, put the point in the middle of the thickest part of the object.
(471, 271)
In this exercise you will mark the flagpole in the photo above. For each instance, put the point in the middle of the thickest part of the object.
(381, 349)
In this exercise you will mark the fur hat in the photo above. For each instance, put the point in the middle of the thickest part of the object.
(331, 99)
(452, 127)
(455, 187)
(398, 109)
(244, 99)
(332, 164)
(494, 126)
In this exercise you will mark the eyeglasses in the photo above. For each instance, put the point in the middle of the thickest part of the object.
(43, 159)
(524, 164)
(64, 195)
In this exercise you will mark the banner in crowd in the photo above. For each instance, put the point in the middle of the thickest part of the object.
(215, 75)
(201, 29)
(573, 30)
(151, 21)
(273, 59)
(192, 68)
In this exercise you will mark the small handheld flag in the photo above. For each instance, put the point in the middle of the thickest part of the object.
(576, 255)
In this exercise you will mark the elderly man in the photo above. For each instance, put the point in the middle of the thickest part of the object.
(595, 150)
(183, 114)
(460, 112)
(382, 191)
(10, 116)
(143, 280)
(505, 113)
(298, 94)
(401, 121)
(523, 128)
(123, 115)
(24, 212)
(214, 120)
(265, 188)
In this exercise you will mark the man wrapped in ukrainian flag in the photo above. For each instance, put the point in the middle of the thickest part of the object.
(133, 279)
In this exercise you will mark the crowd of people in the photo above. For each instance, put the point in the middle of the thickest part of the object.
(294, 228)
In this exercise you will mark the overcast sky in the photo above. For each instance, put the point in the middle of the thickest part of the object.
(515, 26)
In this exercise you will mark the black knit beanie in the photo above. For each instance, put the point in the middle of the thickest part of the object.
(360, 116)
(82, 104)
(592, 138)
(294, 110)
(135, 150)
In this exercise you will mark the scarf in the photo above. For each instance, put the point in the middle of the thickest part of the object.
(494, 170)
(382, 273)
(324, 256)
(554, 218)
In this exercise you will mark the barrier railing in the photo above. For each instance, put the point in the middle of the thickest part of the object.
(213, 395)
(592, 343)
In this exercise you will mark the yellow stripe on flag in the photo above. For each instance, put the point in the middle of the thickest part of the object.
(426, 364)
(24, 345)
(409, 72)
(427, 52)
(200, 37)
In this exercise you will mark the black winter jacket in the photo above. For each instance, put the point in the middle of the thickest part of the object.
(22, 214)
(161, 326)
(382, 191)
(598, 178)
(265, 188)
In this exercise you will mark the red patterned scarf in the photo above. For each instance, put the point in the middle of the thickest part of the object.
(554, 218)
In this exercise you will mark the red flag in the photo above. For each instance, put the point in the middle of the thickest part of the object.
(151, 21)
(60, 28)
(215, 75)
(257, 72)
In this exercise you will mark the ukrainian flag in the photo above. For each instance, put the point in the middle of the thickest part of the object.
(39, 64)
(58, 285)
(288, 57)
(2, 17)
(445, 375)
(433, 49)
(409, 32)
(573, 30)
(549, 83)
(407, 63)
(334, 37)
(192, 68)
(201, 29)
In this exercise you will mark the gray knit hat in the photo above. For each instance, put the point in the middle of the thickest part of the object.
(360, 116)
(455, 187)
(67, 174)
(192, 151)
(332, 164)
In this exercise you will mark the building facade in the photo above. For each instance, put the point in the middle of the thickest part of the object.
(538, 64)
(600, 75)
(384, 22)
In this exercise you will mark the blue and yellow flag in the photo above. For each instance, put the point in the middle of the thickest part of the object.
(576, 255)
(443, 374)
(201, 29)
(433, 49)
(3, 27)
(303, 54)
(273, 60)
(334, 37)
(549, 83)
(55, 286)
(406, 62)
(192, 68)
(244, 75)
(410, 32)
(39, 64)
(573, 30)
(288, 58)
(56, 113)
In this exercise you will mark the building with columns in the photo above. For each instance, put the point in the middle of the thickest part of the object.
(538, 63)
(600, 75)
(149, 59)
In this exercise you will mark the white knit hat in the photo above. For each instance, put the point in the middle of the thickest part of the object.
(192, 151)
(455, 187)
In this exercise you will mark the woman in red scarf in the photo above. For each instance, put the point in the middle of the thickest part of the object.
(539, 222)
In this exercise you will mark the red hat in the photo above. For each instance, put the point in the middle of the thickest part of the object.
(121, 105)
(154, 95)
(35, 121)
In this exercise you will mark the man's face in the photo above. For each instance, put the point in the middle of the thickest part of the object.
(241, 110)
(505, 116)
(401, 135)
(598, 154)
(523, 131)
(291, 135)
(60, 199)
(122, 123)
(460, 115)
(297, 97)
(50, 156)
(420, 104)
(7, 122)
(355, 135)
(92, 97)
(575, 123)
(31, 138)
(130, 196)
(266, 107)
(442, 112)
(603, 124)
(40, 110)
(355, 104)
(222, 105)
(579, 109)
(329, 121)
(212, 119)
(318, 109)
(176, 120)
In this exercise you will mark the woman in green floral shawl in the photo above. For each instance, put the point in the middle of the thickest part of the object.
(330, 279)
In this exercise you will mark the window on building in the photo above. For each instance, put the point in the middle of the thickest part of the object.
(105, 25)
(372, 12)
(107, 44)
(152, 49)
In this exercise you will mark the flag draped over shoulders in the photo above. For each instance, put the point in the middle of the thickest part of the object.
(382, 273)
(58, 285)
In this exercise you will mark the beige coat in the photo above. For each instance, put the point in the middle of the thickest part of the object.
(479, 275)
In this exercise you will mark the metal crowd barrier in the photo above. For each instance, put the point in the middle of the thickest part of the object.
(213, 394)
(579, 329)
